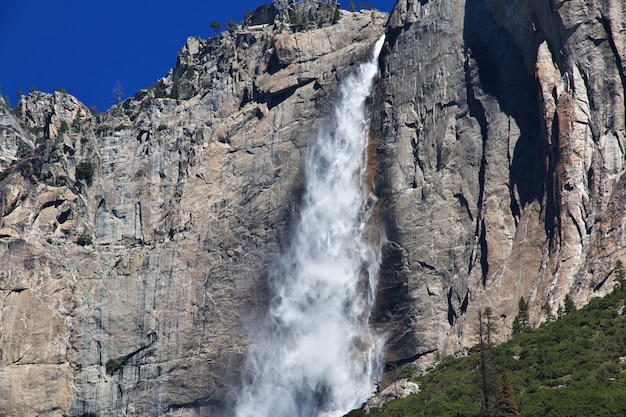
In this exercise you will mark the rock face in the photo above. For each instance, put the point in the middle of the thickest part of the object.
(501, 150)
(135, 242)
(15, 143)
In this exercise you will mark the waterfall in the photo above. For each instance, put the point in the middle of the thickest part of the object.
(316, 355)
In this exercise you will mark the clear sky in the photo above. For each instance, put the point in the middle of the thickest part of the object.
(87, 46)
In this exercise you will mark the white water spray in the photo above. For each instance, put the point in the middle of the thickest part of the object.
(316, 355)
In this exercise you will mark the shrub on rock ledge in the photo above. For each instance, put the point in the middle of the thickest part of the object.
(84, 171)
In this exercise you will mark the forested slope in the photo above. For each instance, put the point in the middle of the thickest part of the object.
(573, 365)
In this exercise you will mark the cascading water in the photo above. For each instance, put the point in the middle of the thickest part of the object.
(316, 355)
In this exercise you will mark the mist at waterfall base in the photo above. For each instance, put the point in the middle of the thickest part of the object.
(316, 355)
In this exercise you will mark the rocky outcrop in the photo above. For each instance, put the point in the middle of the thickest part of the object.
(15, 142)
(51, 114)
(501, 147)
(135, 242)
(400, 388)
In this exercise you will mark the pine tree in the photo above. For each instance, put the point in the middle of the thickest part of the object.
(521, 320)
(547, 310)
(568, 304)
(294, 18)
(216, 26)
(506, 406)
(486, 329)
(490, 327)
(336, 14)
(118, 92)
(619, 272)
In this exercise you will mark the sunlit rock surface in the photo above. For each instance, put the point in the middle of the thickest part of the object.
(135, 242)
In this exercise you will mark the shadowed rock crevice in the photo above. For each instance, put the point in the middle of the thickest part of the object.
(606, 24)
(392, 295)
(451, 312)
(502, 75)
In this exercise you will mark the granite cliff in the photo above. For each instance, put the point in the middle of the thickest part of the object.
(501, 150)
(134, 243)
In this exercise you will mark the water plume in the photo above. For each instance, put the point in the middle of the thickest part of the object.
(316, 354)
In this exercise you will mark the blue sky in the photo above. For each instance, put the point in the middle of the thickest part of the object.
(87, 46)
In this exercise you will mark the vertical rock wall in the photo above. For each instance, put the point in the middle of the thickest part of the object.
(501, 144)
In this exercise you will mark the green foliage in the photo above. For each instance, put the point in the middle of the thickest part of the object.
(568, 304)
(34, 130)
(337, 14)
(118, 92)
(294, 18)
(28, 170)
(573, 366)
(216, 26)
(84, 172)
(352, 6)
(84, 240)
(521, 320)
(231, 25)
(505, 405)
(547, 311)
(64, 127)
(61, 90)
(619, 273)
(161, 90)
(486, 375)
(406, 371)
(77, 121)
(112, 366)
(23, 151)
